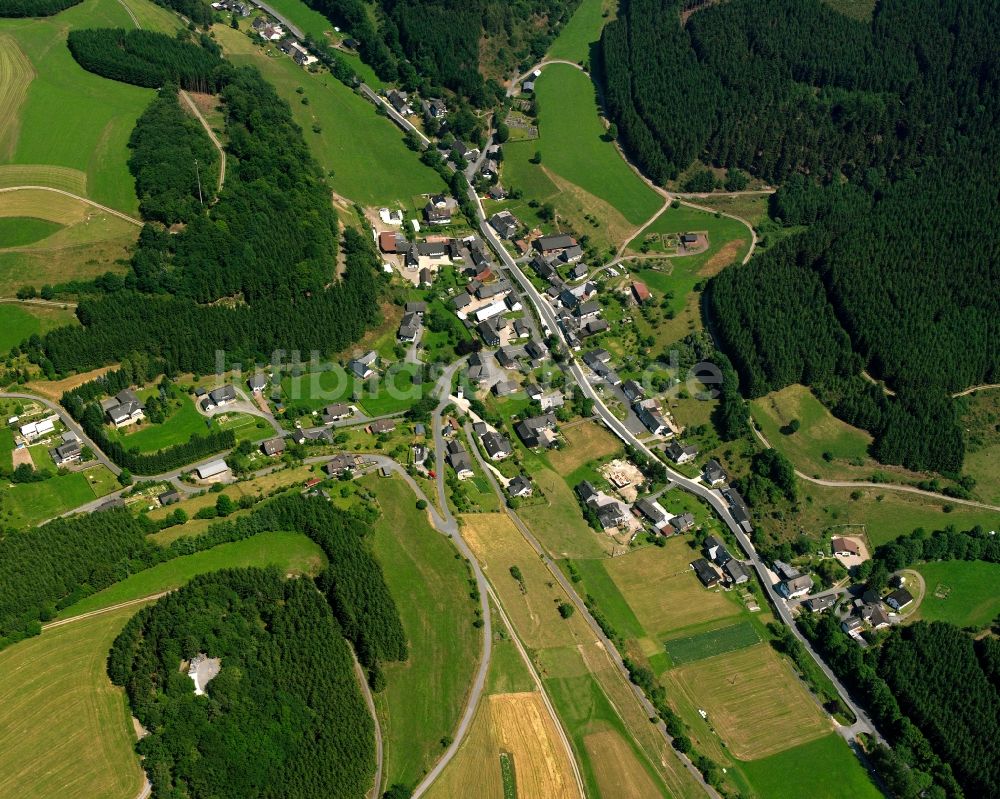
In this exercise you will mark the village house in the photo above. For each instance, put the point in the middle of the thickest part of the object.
(496, 446)
(314, 434)
(391, 242)
(713, 474)
(418, 308)
(820, 603)
(611, 514)
(554, 245)
(489, 333)
(504, 388)
(257, 382)
(738, 508)
(651, 417)
(459, 460)
(340, 464)
(844, 547)
(434, 108)
(680, 453)
(400, 102)
(67, 452)
(337, 411)
(519, 487)
(705, 572)
(219, 397)
(535, 350)
(654, 513)
(537, 431)
(682, 523)
(169, 497)
(716, 550)
(439, 210)
(736, 572)
(123, 409)
(633, 391)
(33, 430)
(852, 626)
(547, 401)
(273, 447)
(542, 267)
(796, 587)
(459, 149)
(899, 599)
(875, 616)
(380, 426)
(409, 328)
(363, 366)
(640, 292)
(587, 493)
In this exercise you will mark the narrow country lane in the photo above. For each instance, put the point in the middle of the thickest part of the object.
(106, 209)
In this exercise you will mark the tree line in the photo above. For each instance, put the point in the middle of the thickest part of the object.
(283, 717)
(267, 247)
(34, 8)
(897, 274)
(148, 58)
(170, 154)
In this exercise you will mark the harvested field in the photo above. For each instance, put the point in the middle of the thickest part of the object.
(54, 389)
(49, 205)
(753, 700)
(16, 74)
(524, 728)
(475, 769)
(662, 590)
(22, 457)
(58, 177)
(618, 774)
(498, 546)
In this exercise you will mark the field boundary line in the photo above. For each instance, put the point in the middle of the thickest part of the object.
(90, 614)
(70, 194)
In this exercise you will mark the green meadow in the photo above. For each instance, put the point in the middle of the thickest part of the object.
(67, 117)
(26, 504)
(362, 152)
(299, 14)
(967, 592)
(583, 30)
(572, 144)
(17, 231)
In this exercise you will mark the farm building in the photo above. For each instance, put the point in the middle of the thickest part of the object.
(213, 469)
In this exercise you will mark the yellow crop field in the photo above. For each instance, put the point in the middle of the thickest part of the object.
(525, 729)
(753, 701)
(618, 772)
(57, 177)
(41, 204)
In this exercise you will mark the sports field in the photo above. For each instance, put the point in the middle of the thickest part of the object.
(95, 115)
(819, 432)
(582, 31)
(425, 695)
(64, 729)
(963, 592)
(688, 649)
(26, 504)
(754, 702)
(294, 553)
(824, 768)
(363, 153)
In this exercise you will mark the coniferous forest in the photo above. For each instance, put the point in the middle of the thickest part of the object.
(883, 138)
(147, 58)
(34, 8)
(284, 717)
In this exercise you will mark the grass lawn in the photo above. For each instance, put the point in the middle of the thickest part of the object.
(598, 584)
(583, 30)
(389, 393)
(96, 115)
(6, 447)
(713, 642)
(979, 418)
(426, 694)
(26, 504)
(354, 145)
(819, 432)
(821, 769)
(972, 600)
(293, 553)
(558, 521)
(178, 428)
(17, 231)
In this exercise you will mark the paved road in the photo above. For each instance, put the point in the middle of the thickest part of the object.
(446, 523)
(104, 208)
(396, 117)
(283, 20)
(609, 647)
(211, 134)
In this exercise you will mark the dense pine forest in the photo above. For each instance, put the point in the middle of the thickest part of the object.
(34, 8)
(147, 58)
(284, 717)
(884, 136)
(429, 44)
(170, 151)
(252, 274)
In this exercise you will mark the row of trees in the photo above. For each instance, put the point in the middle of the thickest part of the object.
(170, 153)
(895, 175)
(34, 8)
(284, 716)
(148, 58)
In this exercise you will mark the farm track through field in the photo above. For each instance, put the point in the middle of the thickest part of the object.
(63, 622)
(97, 205)
(881, 486)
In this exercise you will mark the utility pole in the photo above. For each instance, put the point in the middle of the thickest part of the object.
(197, 173)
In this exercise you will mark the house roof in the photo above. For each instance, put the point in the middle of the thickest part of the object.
(557, 242)
(841, 544)
(901, 597)
(495, 444)
(212, 468)
(273, 446)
